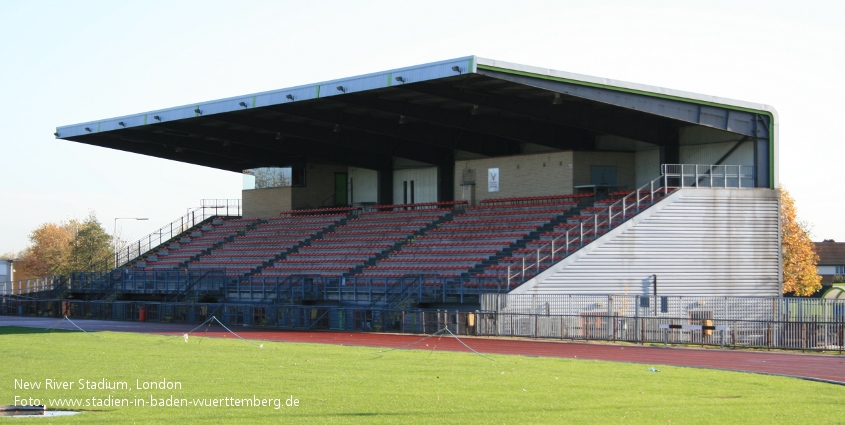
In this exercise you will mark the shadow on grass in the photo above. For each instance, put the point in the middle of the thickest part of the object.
(20, 330)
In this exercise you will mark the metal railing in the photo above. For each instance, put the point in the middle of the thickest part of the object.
(713, 176)
(815, 335)
(138, 281)
(374, 291)
(30, 286)
(208, 208)
(673, 177)
(790, 309)
(778, 334)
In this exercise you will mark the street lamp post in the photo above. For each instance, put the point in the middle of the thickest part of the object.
(114, 231)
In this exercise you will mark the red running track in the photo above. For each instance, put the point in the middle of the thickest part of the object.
(821, 367)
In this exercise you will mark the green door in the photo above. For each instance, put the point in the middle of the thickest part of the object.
(340, 189)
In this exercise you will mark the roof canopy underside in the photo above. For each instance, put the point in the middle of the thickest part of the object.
(433, 113)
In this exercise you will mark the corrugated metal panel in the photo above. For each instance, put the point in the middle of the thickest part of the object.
(377, 80)
(625, 85)
(710, 154)
(697, 241)
(647, 165)
(697, 147)
(363, 185)
(425, 184)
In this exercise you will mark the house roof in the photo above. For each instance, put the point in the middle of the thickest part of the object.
(831, 253)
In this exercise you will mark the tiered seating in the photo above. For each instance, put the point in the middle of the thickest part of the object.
(266, 242)
(185, 250)
(459, 245)
(350, 245)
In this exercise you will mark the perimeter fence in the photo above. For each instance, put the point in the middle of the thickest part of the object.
(805, 324)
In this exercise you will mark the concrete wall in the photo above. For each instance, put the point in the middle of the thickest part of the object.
(318, 191)
(624, 162)
(648, 166)
(521, 175)
(715, 242)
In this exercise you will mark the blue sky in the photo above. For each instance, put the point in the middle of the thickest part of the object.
(65, 62)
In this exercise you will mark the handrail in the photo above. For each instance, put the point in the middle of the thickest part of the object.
(208, 208)
(680, 174)
(27, 286)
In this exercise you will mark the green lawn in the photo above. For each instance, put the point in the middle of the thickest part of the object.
(336, 384)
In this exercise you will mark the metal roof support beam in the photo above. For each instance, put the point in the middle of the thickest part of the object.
(763, 163)
(253, 156)
(410, 132)
(385, 183)
(365, 144)
(634, 126)
(524, 131)
(159, 150)
(733, 120)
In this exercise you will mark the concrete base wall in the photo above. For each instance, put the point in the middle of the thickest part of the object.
(703, 242)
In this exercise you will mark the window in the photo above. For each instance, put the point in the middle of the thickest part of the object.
(840, 269)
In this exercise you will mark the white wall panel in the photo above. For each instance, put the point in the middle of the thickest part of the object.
(425, 184)
(363, 185)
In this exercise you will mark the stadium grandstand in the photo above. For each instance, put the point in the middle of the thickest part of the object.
(431, 185)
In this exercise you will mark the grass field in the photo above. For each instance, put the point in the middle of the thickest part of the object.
(337, 384)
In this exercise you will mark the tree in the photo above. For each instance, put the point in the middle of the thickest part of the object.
(800, 276)
(49, 252)
(92, 246)
(59, 249)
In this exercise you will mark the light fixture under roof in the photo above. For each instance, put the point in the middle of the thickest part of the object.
(289, 96)
(88, 129)
(474, 110)
(122, 124)
(337, 128)
(557, 100)
(278, 136)
(242, 104)
(198, 111)
(157, 118)
(400, 79)
(402, 119)
(341, 89)
(457, 69)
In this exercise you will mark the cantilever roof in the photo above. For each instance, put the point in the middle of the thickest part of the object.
(429, 113)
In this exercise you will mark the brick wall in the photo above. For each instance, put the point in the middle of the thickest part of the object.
(521, 175)
(266, 203)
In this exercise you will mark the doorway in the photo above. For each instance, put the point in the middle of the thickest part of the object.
(340, 189)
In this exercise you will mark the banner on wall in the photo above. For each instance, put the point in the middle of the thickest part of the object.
(492, 179)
